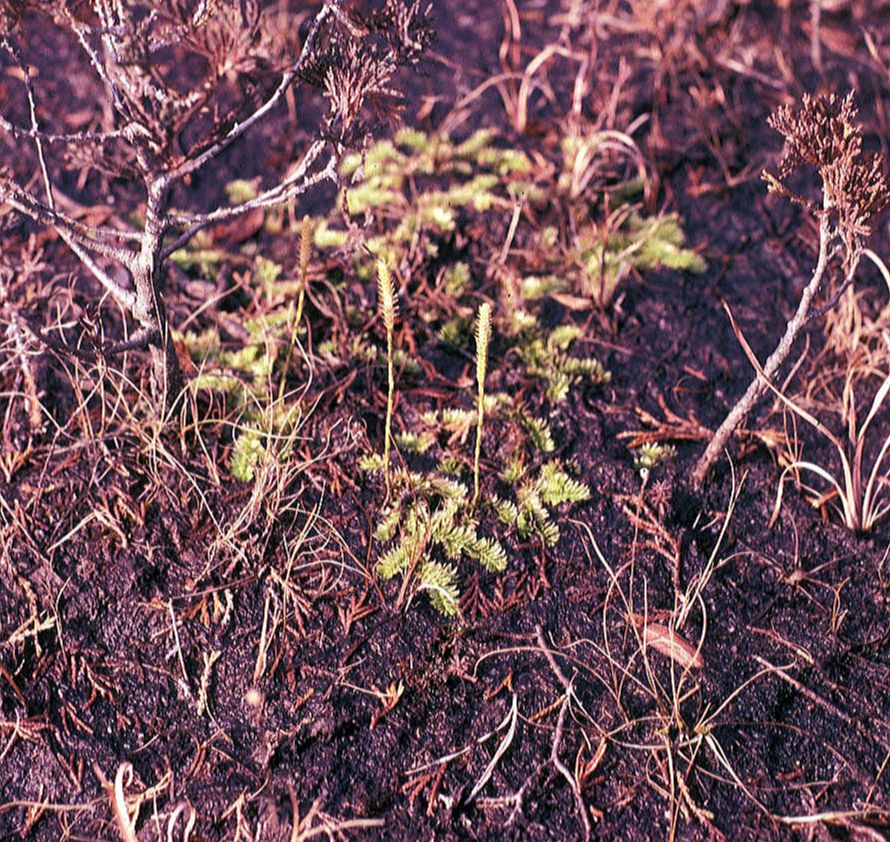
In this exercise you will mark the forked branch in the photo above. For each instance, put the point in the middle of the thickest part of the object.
(349, 55)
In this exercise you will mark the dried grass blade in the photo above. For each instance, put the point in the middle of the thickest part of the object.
(119, 803)
(504, 744)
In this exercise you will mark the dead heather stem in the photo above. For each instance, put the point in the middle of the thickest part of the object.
(148, 114)
(822, 134)
(758, 386)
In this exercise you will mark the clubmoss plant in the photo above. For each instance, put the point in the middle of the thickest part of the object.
(439, 579)
(595, 253)
(651, 455)
(606, 254)
(414, 442)
(249, 381)
(552, 487)
(458, 423)
(392, 180)
(431, 517)
(246, 455)
(483, 338)
(539, 432)
(240, 191)
(432, 522)
(425, 182)
(547, 357)
(530, 514)
(386, 306)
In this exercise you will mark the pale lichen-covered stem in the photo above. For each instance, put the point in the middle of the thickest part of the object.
(759, 385)
(149, 310)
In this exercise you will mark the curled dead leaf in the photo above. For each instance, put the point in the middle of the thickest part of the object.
(670, 643)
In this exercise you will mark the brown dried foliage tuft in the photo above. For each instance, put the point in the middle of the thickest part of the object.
(824, 134)
(359, 69)
(818, 132)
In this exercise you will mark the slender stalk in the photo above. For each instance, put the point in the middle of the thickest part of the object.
(387, 307)
(390, 389)
(483, 337)
(306, 232)
(760, 383)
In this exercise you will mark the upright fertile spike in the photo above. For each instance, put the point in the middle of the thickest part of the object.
(307, 231)
(386, 304)
(386, 296)
(483, 337)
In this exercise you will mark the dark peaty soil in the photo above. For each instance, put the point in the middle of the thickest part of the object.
(241, 659)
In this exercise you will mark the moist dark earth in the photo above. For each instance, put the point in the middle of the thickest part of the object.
(231, 641)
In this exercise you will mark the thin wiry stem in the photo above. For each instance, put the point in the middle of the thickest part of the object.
(35, 126)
